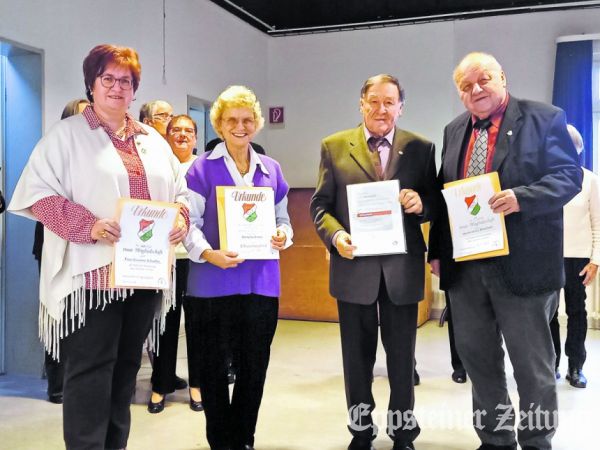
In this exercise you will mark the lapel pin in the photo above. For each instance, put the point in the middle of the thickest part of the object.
(400, 152)
(509, 132)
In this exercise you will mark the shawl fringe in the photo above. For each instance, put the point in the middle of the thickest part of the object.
(75, 305)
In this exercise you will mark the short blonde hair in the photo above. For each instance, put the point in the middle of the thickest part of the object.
(235, 97)
(477, 59)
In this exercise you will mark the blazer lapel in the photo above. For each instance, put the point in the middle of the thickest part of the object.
(455, 142)
(509, 128)
(360, 153)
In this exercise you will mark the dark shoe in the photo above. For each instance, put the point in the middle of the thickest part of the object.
(459, 376)
(529, 447)
(155, 408)
(403, 446)
(56, 398)
(417, 378)
(360, 443)
(576, 378)
(557, 373)
(196, 406)
(180, 383)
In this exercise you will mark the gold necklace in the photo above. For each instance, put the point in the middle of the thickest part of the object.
(242, 171)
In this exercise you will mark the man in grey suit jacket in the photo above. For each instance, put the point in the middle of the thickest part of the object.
(373, 290)
(513, 297)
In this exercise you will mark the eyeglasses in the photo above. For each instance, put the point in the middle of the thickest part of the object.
(179, 130)
(231, 122)
(163, 117)
(109, 81)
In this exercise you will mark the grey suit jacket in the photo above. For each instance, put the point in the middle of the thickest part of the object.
(345, 160)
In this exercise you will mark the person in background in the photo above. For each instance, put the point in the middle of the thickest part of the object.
(157, 114)
(53, 368)
(510, 298)
(181, 136)
(382, 291)
(227, 292)
(582, 256)
(72, 183)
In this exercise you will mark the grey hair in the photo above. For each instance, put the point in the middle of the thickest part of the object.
(148, 109)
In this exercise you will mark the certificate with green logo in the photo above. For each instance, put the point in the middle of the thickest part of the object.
(477, 232)
(247, 221)
(143, 255)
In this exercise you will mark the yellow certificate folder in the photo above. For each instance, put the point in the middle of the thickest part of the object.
(221, 215)
(495, 181)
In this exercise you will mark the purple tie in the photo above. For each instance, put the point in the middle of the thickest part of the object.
(374, 144)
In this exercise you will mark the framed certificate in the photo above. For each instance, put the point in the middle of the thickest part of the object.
(247, 221)
(376, 223)
(143, 256)
(477, 232)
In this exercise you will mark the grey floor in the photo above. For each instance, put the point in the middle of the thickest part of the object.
(303, 406)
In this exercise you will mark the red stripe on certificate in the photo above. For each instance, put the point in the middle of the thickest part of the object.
(375, 213)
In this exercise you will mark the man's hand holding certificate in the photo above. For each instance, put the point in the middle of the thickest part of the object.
(476, 209)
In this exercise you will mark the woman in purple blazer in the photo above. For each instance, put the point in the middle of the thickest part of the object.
(232, 298)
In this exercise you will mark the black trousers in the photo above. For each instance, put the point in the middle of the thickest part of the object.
(101, 362)
(454, 358)
(359, 334)
(165, 362)
(252, 319)
(575, 297)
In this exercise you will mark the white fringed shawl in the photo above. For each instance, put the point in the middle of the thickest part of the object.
(82, 165)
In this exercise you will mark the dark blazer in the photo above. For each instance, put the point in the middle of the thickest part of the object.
(345, 160)
(534, 157)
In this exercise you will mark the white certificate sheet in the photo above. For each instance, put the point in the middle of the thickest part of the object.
(248, 216)
(143, 255)
(477, 232)
(376, 223)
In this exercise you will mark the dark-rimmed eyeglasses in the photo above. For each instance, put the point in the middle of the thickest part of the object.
(109, 81)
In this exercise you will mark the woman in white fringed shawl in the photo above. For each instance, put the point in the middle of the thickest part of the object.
(72, 184)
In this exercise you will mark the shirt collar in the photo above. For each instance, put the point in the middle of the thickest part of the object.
(132, 128)
(388, 137)
(220, 151)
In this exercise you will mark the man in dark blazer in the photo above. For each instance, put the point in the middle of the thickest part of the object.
(372, 290)
(513, 297)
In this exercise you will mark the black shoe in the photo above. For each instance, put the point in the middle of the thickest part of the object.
(459, 376)
(360, 443)
(196, 406)
(529, 447)
(56, 398)
(180, 383)
(417, 378)
(403, 446)
(155, 408)
(576, 378)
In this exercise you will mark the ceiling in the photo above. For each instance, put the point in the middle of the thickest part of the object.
(287, 17)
